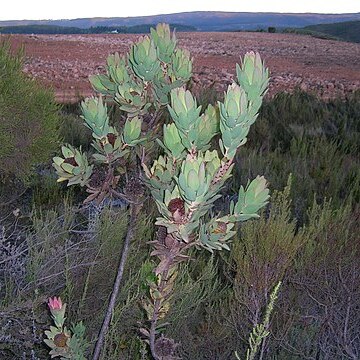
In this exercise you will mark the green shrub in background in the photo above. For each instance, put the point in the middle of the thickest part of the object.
(317, 141)
(304, 116)
(29, 118)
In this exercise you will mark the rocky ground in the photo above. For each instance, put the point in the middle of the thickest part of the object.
(329, 68)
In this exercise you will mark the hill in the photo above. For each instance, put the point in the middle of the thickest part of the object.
(347, 30)
(202, 20)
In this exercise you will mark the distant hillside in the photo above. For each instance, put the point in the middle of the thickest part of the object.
(55, 29)
(348, 30)
(202, 20)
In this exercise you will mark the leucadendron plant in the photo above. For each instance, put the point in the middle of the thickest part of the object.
(187, 179)
(140, 83)
(64, 342)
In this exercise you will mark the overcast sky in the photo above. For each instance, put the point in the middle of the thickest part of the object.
(70, 9)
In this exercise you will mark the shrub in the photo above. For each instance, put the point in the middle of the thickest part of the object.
(29, 118)
(140, 84)
(318, 315)
(187, 179)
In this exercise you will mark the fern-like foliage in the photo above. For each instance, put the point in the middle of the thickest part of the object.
(261, 331)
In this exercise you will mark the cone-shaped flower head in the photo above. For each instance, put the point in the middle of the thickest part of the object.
(160, 176)
(181, 65)
(207, 127)
(143, 59)
(102, 84)
(234, 119)
(186, 114)
(253, 74)
(132, 131)
(57, 309)
(131, 97)
(164, 42)
(251, 200)
(60, 340)
(95, 115)
(74, 167)
(117, 69)
(55, 303)
(253, 77)
(172, 140)
(194, 179)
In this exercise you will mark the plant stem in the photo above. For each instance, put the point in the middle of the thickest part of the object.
(116, 287)
(154, 319)
(161, 288)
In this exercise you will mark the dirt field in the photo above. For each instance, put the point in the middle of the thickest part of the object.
(330, 68)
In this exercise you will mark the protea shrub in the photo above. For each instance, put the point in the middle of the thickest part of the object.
(187, 178)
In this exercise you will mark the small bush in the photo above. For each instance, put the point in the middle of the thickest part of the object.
(28, 118)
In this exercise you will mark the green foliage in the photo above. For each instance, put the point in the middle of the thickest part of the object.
(323, 282)
(29, 119)
(50, 236)
(64, 343)
(312, 33)
(219, 323)
(74, 167)
(122, 339)
(73, 132)
(261, 331)
(140, 84)
(346, 30)
(314, 140)
(186, 181)
(47, 194)
(193, 183)
(144, 80)
(261, 257)
(242, 103)
(302, 238)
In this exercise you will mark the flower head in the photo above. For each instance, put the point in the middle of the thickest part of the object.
(57, 309)
(61, 339)
(55, 303)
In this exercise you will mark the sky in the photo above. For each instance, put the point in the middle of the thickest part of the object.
(70, 9)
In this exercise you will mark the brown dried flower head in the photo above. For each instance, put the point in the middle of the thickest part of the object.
(177, 205)
(111, 139)
(221, 228)
(71, 161)
(165, 348)
(60, 340)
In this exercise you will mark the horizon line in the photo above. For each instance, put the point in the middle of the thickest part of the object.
(185, 12)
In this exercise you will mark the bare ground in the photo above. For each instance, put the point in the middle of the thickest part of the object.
(329, 68)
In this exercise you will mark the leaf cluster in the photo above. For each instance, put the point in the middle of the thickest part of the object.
(139, 83)
(186, 181)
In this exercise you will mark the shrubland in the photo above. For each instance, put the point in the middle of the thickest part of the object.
(306, 237)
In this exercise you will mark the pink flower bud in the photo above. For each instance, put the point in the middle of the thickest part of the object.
(55, 303)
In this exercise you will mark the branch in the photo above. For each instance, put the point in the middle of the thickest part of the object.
(116, 287)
